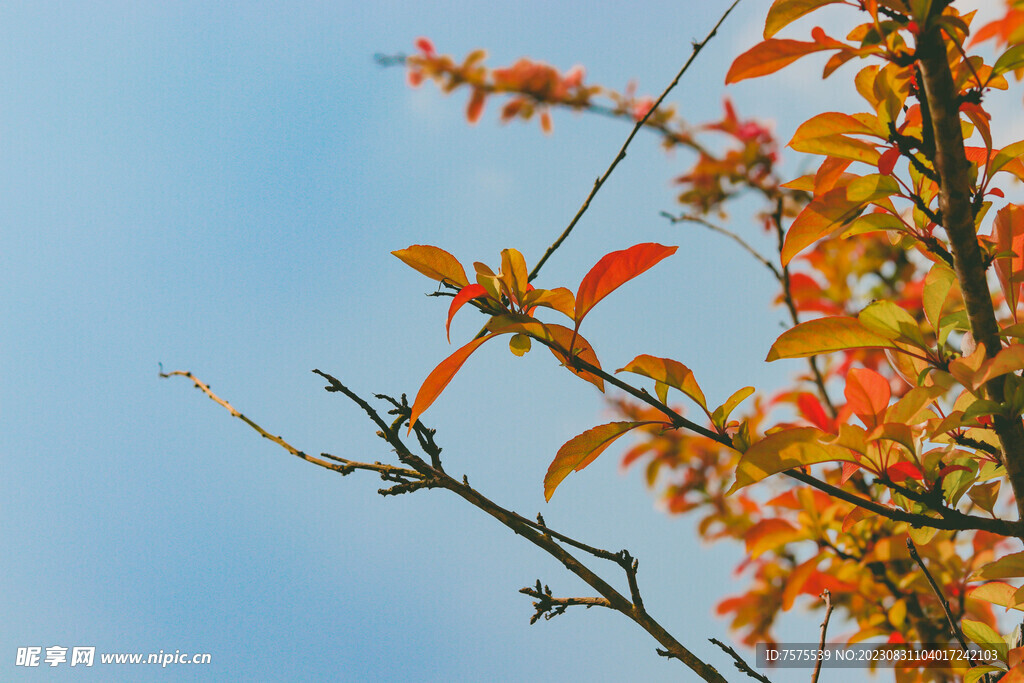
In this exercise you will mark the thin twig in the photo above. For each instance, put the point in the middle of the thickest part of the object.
(954, 627)
(697, 47)
(690, 218)
(739, 662)
(423, 475)
(827, 597)
(343, 466)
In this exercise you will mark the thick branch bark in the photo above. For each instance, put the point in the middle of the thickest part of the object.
(955, 199)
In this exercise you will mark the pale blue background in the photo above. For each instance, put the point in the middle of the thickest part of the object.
(217, 186)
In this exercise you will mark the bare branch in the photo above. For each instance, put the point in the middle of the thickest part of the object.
(953, 626)
(550, 607)
(739, 662)
(827, 597)
(690, 218)
(697, 47)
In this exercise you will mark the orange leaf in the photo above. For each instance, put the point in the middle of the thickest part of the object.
(797, 578)
(458, 301)
(581, 450)
(769, 534)
(771, 55)
(435, 263)
(867, 394)
(440, 376)
(1008, 229)
(783, 451)
(613, 270)
(823, 335)
(823, 214)
(669, 372)
(476, 105)
(563, 336)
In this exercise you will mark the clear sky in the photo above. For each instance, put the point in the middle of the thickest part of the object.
(217, 187)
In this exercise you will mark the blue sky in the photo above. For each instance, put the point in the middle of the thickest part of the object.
(217, 187)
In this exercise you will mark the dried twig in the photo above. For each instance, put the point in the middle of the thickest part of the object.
(827, 597)
(739, 662)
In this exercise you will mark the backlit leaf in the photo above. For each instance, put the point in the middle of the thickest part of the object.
(823, 335)
(774, 54)
(560, 299)
(784, 12)
(440, 376)
(722, 412)
(769, 534)
(867, 394)
(558, 335)
(822, 215)
(581, 450)
(465, 294)
(435, 263)
(1008, 567)
(783, 451)
(669, 372)
(613, 270)
(984, 636)
(892, 322)
(514, 273)
(519, 344)
(997, 593)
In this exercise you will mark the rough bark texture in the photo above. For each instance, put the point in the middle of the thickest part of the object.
(958, 220)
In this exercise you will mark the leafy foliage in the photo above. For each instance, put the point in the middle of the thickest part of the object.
(906, 422)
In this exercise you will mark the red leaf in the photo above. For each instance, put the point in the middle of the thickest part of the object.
(581, 450)
(902, 471)
(440, 376)
(425, 46)
(476, 105)
(613, 270)
(888, 160)
(867, 394)
(465, 294)
(810, 408)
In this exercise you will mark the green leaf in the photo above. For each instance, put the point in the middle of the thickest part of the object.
(985, 637)
(823, 335)
(783, 451)
(1010, 60)
(519, 344)
(581, 450)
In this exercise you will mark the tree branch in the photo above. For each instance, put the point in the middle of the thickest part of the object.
(739, 662)
(697, 47)
(827, 597)
(423, 475)
(953, 626)
(955, 196)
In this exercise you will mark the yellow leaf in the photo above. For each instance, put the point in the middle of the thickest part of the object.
(823, 335)
(435, 263)
(783, 451)
(769, 534)
(1008, 567)
(581, 450)
(669, 372)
